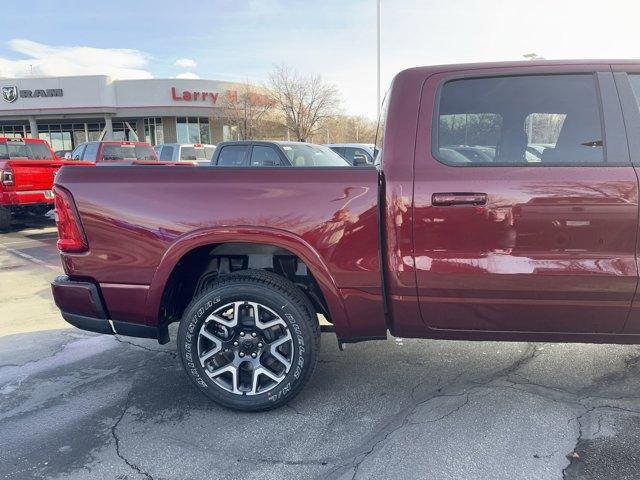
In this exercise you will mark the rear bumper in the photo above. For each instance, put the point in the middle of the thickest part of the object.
(82, 306)
(26, 197)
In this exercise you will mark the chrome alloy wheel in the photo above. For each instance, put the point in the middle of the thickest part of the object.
(245, 348)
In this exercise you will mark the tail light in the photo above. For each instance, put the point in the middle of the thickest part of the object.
(6, 177)
(71, 237)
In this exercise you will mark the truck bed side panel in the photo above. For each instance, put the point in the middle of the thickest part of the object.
(132, 215)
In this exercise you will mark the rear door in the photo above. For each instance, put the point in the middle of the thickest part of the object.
(627, 79)
(233, 156)
(510, 241)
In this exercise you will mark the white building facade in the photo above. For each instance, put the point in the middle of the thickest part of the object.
(67, 111)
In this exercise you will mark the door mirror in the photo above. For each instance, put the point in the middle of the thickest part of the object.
(359, 160)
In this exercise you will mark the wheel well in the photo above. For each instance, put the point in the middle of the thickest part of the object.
(200, 267)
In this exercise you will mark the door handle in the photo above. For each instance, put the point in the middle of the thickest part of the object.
(449, 199)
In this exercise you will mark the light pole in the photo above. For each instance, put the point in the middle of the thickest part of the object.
(378, 53)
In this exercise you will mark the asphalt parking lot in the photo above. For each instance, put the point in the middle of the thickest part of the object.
(78, 405)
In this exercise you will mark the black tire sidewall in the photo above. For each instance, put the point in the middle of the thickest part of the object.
(290, 310)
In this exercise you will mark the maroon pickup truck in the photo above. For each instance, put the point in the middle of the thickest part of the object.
(504, 207)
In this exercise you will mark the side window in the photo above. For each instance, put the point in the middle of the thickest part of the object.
(634, 80)
(77, 153)
(90, 152)
(262, 156)
(233, 156)
(352, 152)
(520, 120)
(339, 151)
(167, 153)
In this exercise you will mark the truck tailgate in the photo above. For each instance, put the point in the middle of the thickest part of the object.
(33, 174)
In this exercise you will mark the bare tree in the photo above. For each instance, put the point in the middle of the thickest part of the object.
(348, 129)
(305, 101)
(245, 108)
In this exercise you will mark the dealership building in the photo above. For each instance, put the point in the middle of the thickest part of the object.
(67, 111)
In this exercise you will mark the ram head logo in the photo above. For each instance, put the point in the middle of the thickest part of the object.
(9, 94)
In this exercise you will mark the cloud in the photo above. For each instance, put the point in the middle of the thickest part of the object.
(50, 60)
(188, 75)
(186, 63)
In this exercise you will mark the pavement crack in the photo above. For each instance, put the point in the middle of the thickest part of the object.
(400, 419)
(277, 461)
(116, 439)
(166, 352)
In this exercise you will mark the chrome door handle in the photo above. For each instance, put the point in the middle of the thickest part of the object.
(449, 199)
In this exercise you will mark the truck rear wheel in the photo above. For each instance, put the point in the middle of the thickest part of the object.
(5, 218)
(250, 341)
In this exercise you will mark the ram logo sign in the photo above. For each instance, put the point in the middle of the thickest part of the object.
(9, 94)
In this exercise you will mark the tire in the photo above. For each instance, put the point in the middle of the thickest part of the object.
(5, 219)
(250, 341)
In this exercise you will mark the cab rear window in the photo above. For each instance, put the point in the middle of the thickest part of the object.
(26, 150)
(116, 152)
(193, 153)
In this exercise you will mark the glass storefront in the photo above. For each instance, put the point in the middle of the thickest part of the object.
(193, 130)
(67, 136)
(153, 132)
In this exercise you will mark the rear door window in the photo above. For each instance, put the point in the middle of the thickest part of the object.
(167, 153)
(263, 156)
(339, 151)
(233, 156)
(91, 152)
(535, 120)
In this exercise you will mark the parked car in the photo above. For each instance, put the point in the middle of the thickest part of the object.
(355, 153)
(275, 154)
(27, 168)
(114, 151)
(177, 152)
(420, 247)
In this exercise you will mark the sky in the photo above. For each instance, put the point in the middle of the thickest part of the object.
(242, 40)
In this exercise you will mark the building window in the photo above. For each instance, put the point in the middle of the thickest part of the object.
(153, 132)
(13, 131)
(193, 130)
(64, 136)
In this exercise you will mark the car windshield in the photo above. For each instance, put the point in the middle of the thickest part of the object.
(127, 152)
(309, 155)
(28, 150)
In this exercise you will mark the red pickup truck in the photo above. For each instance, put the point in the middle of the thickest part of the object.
(27, 168)
(504, 207)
